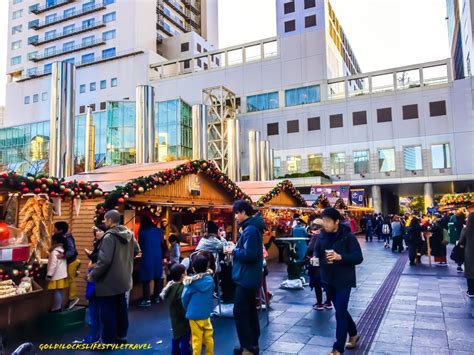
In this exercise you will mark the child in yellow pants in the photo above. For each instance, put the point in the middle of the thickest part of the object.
(198, 304)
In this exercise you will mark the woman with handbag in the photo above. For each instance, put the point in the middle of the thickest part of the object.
(467, 243)
(438, 243)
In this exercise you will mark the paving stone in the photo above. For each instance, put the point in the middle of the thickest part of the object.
(391, 348)
(429, 351)
(322, 341)
(310, 349)
(286, 347)
(390, 338)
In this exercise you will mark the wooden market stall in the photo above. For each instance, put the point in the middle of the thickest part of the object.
(187, 194)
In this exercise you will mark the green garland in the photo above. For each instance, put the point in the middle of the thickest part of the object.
(321, 202)
(51, 186)
(168, 177)
(285, 185)
(340, 204)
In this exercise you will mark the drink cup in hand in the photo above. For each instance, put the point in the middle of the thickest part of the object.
(314, 261)
(329, 252)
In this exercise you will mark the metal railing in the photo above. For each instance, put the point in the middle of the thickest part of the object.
(69, 16)
(61, 35)
(182, 26)
(44, 8)
(57, 53)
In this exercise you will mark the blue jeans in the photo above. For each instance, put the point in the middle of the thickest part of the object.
(344, 322)
(181, 346)
(93, 321)
(114, 317)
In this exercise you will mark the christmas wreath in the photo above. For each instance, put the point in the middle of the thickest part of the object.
(51, 186)
(285, 185)
(168, 177)
(321, 202)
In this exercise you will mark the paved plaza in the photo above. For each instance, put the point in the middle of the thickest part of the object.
(428, 313)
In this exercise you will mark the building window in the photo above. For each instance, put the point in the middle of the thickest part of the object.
(17, 14)
(82, 88)
(108, 2)
(185, 47)
(289, 7)
(108, 53)
(50, 18)
(412, 158)
(314, 123)
(15, 60)
(438, 108)
(337, 163)
(47, 68)
(31, 71)
(199, 48)
(68, 46)
(88, 5)
(44, 96)
(302, 96)
(109, 17)
(16, 45)
(113, 82)
(361, 162)
(186, 64)
(26, 100)
(308, 4)
(108, 35)
(387, 160)
(277, 166)
(310, 21)
(293, 126)
(103, 84)
(293, 164)
(69, 60)
(440, 156)
(290, 26)
(49, 34)
(49, 50)
(69, 12)
(68, 29)
(32, 8)
(336, 121)
(262, 102)
(359, 118)
(198, 62)
(92, 86)
(88, 23)
(16, 29)
(87, 58)
(272, 129)
(88, 40)
(92, 106)
(315, 162)
(82, 109)
(35, 98)
(17, 2)
(102, 105)
(410, 112)
(32, 55)
(384, 114)
(33, 23)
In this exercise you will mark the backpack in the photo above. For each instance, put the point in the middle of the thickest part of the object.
(457, 254)
(386, 229)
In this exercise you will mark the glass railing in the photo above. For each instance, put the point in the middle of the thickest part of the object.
(68, 16)
(68, 33)
(51, 6)
(56, 53)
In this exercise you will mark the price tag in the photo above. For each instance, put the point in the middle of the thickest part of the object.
(6, 254)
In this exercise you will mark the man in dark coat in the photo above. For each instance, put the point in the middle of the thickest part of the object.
(247, 272)
(339, 252)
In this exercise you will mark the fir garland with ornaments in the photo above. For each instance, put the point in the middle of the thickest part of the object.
(142, 184)
(51, 186)
(463, 199)
(321, 202)
(285, 185)
(340, 204)
(16, 270)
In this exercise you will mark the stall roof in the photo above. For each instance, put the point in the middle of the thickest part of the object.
(260, 191)
(118, 175)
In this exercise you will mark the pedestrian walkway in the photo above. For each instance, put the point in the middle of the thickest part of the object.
(427, 314)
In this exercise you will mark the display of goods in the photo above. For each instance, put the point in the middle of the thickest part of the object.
(36, 214)
(458, 199)
(14, 253)
(8, 288)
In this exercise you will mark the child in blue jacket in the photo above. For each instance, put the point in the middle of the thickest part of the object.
(198, 304)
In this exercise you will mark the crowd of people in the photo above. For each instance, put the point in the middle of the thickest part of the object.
(236, 273)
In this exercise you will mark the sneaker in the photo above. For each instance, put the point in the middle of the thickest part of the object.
(156, 300)
(144, 303)
(352, 343)
(318, 307)
(72, 303)
(470, 295)
(328, 305)
(335, 352)
(459, 269)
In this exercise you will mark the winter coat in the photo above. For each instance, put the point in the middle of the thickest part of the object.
(340, 274)
(113, 271)
(57, 268)
(171, 294)
(95, 252)
(213, 244)
(197, 296)
(436, 240)
(153, 249)
(468, 242)
(248, 254)
(397, 228)
(454, 229)
(71, 252)
(302, 245)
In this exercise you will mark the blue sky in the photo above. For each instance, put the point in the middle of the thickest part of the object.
(383, 33)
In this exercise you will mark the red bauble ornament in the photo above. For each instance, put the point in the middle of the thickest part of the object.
(4, 175)
(22, 184)
(37, 190)
(4, 232)
(25, 190)
(121, 200)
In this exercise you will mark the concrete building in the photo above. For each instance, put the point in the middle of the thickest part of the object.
(394, 132)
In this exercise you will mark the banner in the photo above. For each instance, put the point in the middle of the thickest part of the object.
(358, 197)
(332, 192)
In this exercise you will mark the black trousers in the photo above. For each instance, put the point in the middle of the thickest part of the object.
(470, 286)
(397, 243)
(413, 250)
(246, 317)
(157, 287)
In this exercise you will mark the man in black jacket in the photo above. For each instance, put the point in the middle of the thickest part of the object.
(339, 252)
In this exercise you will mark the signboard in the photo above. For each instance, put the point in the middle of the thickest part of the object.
(358, 197)
(432, 210)
(332, 192)
(194, 185)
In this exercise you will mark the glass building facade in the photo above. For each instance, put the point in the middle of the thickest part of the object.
(25, 148)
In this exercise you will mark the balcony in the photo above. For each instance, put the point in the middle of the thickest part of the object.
(45, 8)
(71, 16)
(62, 35)
(176, 8)
(58, 53)
(193, 5)
(160, 26)
(160, 10)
